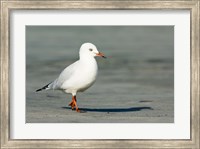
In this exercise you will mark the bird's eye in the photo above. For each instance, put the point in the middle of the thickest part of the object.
(91, 49)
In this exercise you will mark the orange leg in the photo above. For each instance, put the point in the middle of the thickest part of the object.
(73, 104)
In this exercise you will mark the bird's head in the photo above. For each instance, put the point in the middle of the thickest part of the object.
(89, 50)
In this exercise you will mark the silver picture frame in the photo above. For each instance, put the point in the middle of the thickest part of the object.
(193, 6)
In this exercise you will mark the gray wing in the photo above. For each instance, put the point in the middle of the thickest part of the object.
(64, 75)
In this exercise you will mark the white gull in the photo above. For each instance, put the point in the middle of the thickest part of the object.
(78, 76)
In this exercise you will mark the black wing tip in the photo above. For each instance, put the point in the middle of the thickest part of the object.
(43, 88)
(38, 90)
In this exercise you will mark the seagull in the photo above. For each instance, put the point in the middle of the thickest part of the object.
(78, 76)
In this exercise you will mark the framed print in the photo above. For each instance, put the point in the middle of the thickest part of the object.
(100, 74)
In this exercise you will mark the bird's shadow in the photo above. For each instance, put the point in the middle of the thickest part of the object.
(115, 110)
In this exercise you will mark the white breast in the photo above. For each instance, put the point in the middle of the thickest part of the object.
(82, 78)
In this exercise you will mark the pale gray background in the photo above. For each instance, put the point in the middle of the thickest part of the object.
(135, 83)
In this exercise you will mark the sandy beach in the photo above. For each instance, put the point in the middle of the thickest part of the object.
(135, 84)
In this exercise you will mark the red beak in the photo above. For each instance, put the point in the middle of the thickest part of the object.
(100, 54)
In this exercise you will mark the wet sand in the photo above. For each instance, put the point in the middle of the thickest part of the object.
(135, 83)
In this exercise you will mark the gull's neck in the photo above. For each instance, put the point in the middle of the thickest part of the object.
(86, 58)
(89, 61)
